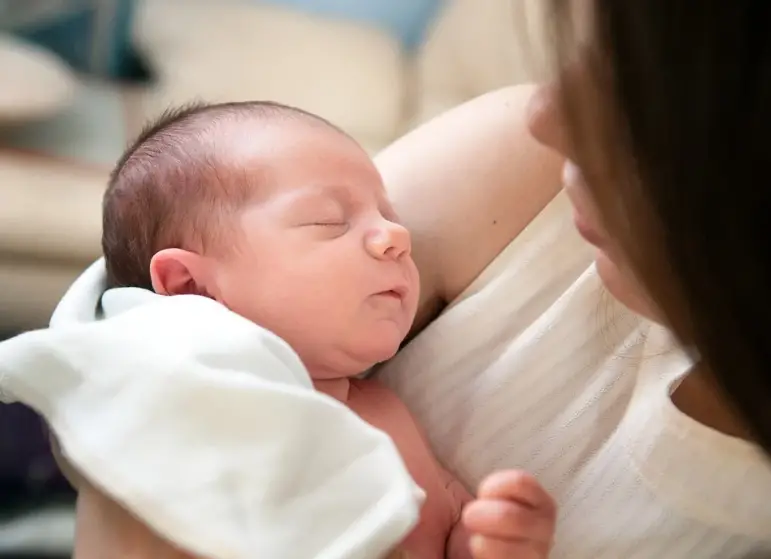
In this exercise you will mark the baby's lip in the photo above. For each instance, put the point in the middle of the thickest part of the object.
(397, 291)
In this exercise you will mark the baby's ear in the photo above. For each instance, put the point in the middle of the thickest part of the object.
(174, 271)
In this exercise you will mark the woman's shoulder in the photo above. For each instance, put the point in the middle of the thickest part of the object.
(466, 184)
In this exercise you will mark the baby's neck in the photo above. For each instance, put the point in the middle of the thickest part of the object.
(337, 388)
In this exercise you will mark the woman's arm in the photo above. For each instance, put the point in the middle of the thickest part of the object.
(105, 530)
(466, 184)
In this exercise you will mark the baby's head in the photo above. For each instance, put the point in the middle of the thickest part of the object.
(276, 214)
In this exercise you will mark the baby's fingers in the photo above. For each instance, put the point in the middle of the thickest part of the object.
(520, 487)
(507, 520)
(490, 548)
(513, 517)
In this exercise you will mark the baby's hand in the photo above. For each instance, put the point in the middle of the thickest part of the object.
(513, 517)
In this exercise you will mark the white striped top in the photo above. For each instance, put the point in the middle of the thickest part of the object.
(536, 367)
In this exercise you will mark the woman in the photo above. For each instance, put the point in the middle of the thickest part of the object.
(649, 450)
(521, 360)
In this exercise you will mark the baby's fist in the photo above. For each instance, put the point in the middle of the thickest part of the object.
(513, 517)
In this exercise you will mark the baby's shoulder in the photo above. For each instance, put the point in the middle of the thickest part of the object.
(371, 385)
(377, 403)
(372, 390)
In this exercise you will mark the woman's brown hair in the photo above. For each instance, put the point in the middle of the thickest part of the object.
(669, 108)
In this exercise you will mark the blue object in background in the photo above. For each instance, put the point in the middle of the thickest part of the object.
(405, 19)
(92, 36)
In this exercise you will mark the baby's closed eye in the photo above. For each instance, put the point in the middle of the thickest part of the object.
(328, 227)
(328, 223)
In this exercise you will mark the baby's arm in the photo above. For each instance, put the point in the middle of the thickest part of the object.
(513, 517)
(458, 540)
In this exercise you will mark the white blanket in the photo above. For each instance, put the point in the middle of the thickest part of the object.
(207, 427)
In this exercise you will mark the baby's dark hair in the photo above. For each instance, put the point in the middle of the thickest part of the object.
(171, 189)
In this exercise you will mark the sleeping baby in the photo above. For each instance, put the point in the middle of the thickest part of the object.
(282, 218)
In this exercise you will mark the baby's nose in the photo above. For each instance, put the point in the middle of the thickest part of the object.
(390, 240)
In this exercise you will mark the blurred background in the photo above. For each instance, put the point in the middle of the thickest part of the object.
(79, 78)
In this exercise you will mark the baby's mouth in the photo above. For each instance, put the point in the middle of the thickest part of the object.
(398, 293)
(391, 293)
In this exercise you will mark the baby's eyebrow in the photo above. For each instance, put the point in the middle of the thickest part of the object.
(347, 196)
(341, 194)
(338, 191)
(319, 196)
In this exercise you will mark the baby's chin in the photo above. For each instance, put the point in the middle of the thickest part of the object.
(363, 357)
(376, 355)
(354, 353)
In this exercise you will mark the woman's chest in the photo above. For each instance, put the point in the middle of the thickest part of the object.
(634, 498)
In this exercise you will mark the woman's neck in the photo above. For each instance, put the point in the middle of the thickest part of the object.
(698, 398)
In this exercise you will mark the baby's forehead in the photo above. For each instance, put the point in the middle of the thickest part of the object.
(260, 144)
(293, 154)
(241, 129)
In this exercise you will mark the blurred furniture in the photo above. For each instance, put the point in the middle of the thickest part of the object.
(366, 77)
(476, 46)
(61, 126)
(89, 35)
